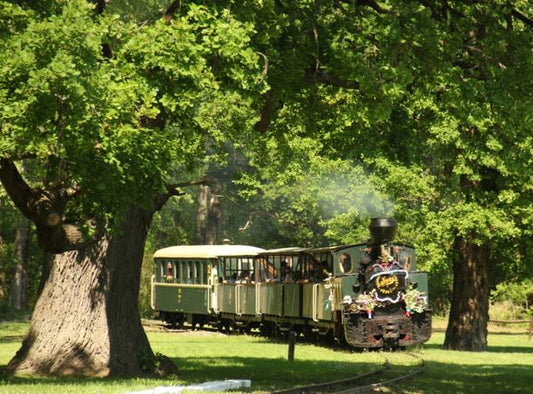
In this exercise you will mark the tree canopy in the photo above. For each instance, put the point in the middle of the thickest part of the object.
(101, 130)
(319, 113)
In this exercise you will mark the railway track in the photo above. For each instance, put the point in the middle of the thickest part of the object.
(361, 383)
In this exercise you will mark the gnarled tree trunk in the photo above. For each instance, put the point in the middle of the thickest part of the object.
(208, 215)
(86, 320)
(469, 313)
(18, 296)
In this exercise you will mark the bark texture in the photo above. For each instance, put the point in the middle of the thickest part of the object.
(86, 320)
(208, 215)
(18, 296)
(469, 313)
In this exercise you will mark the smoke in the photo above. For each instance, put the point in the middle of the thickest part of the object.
(351, 190)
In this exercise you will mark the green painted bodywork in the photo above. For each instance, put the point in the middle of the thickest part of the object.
(421, 280)
(324, 302)
(181, 298)
(246, 299)
(307, 296)
(291, 299)
(271, 297)
(226, 298)
(317, 301)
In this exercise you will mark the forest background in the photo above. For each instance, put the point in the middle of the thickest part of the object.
(271, 123)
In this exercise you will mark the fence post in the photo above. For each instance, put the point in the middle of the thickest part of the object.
(292, 343)
(530, 327)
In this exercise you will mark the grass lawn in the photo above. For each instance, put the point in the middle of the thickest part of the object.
(507, 367)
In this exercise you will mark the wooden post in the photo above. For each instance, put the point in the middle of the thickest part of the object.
(530, 327)
(292, 343)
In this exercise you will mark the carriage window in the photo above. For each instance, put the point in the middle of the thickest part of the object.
(264, 270)
(190, 271)
(169, 271)
(345, 263)
(197, 272)
(321, 265)
(163, 267)
(237, 269)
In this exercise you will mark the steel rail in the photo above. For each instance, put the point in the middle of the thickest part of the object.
(375, 386)
(332, 386)
(327, 386)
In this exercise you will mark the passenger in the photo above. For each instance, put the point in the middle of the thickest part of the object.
(245, 276)
(170, 272)
(286, 272)
(325, 271)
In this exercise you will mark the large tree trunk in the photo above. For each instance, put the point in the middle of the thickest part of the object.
(18, 296)
(469, 313)
(208, 216)
(86, 320)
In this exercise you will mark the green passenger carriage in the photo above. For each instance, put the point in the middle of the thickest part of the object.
(185, 284)
(364, 295)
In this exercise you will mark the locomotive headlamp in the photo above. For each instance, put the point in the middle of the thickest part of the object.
(353, 307)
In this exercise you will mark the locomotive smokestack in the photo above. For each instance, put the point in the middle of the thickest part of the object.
(382, 229)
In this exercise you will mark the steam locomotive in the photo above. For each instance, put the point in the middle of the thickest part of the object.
(364, 295)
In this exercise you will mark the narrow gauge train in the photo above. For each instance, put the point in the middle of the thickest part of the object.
(365, 295)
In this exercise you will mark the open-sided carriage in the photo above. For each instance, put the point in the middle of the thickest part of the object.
(364, 295)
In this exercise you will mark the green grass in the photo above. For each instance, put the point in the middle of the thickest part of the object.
(507, 367)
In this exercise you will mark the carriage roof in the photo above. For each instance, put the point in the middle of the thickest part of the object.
(284, 251)
(207, 251)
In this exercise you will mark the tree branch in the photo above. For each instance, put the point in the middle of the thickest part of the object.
(375, 6)
(172, 190)
(100, 6)
(171, 10)
(521, 17)
(319, 76)
(43, 207)
(16, 187)
(266, 113)
(370, 3)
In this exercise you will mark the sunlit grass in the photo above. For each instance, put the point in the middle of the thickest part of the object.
(204, 356)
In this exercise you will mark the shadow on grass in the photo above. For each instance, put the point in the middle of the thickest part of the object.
(445, 378)
(491, 349)
(269, 374)
(275, 374)
(266, 374)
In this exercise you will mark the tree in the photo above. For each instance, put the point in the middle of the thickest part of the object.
(430, 100)
(107, 116)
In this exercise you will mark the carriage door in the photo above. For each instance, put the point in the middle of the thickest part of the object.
(322, 293)
(212, 281)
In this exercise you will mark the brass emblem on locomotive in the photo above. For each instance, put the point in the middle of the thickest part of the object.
(387, 284)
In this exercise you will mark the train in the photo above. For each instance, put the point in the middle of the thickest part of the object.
(366, 295)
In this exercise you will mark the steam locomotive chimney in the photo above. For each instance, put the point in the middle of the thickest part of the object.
(382, 229)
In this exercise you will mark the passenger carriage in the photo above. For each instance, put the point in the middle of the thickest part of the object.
(364, 295)
(187, 286)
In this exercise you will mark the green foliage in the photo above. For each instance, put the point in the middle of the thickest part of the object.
(414, 109)
(519, 294)
(427, 103)
(113, 126)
